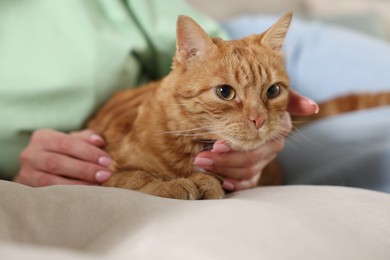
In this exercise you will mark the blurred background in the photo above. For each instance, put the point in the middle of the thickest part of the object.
(369, 16)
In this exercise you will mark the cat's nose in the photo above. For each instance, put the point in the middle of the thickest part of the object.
(258, 120)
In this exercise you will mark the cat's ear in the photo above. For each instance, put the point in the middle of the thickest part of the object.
(191, 40)
(274, 36)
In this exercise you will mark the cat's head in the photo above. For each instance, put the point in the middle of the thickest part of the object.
(236, 91)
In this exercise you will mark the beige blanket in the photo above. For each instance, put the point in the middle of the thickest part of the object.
(291, 222)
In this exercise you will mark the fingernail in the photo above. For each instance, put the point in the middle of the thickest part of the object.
(203, 162)
(102, 176)
(104, 161)
(97, 139)
(220, 148)
(313, 104)
(227, 185)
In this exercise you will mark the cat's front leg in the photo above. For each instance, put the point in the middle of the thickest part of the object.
(209, 187)
(143, 181)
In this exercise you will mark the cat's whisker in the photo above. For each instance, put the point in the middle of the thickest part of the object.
(280, 135)
(207, 141)
(297, 122)
(298, 133)
(290, 143)
(286, 141)
(207, 148)
(198, 134)
(199, 131)
(187, 130)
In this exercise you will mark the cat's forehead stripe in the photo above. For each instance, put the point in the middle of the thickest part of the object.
(248, 70)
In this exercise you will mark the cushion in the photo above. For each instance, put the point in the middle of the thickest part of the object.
(287, 222)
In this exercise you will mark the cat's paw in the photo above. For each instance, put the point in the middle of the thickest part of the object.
(209, 187)
(182, 189)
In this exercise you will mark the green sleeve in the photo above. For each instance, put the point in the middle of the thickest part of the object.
(58, 61)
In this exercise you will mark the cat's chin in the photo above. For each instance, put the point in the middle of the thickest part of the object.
(254, 140)
(246, 145)
(234, 145)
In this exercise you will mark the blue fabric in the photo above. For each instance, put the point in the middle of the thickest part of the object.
(348, 150)
(325, 61)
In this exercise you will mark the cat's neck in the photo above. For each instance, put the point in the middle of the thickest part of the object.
(162, 102)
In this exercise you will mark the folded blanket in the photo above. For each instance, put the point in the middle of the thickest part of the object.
(288, 222)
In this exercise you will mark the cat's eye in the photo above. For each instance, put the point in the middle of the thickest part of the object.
(225, 92)
(273, 91)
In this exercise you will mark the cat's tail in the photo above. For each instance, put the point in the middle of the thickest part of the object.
(345, 104)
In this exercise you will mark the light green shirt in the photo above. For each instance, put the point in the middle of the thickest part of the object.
(59, 60)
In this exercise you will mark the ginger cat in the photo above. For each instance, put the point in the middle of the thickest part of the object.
(236, 91)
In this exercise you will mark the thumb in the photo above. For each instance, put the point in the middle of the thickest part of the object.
(299, 105)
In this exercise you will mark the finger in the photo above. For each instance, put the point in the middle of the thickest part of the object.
(68, 145)
(63, 165)
(235, 159)
(89, 136)
(40, 179)
(242, 173)
(220, 147)
(301, 106)
(235, 185)
(238, 173)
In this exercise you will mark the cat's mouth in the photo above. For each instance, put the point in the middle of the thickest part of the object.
(207, 144)
(242, 142)
(248, 142)
(241, 145)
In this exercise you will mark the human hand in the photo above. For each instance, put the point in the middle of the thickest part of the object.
(242, 170)
(53, 158)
